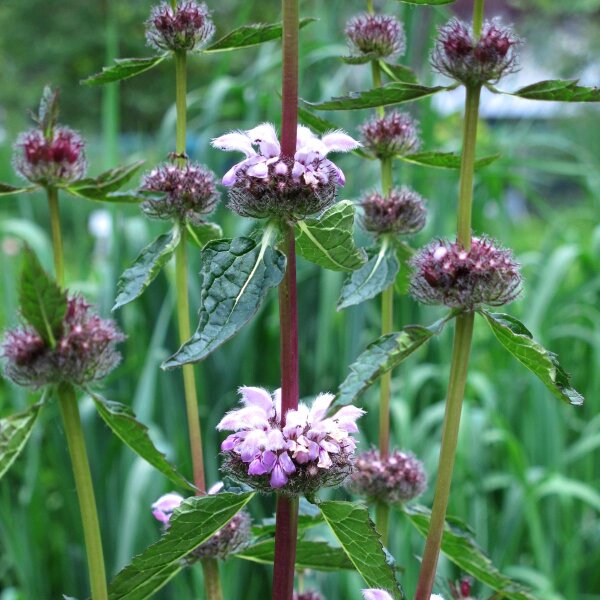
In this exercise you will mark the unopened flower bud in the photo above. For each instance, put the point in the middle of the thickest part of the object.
(446, 273)
(54, 160)
(190, 192)
(376, 36)
(188, 27)
(396, 133)
(84, 352)
(458, 55)
(401, 212)
(397, 478)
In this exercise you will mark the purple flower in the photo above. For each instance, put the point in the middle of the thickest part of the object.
(163, 508)
(376, 36)
(401, 212)
(376, 595)
(266, 183)
(396, 133)
(305, 453)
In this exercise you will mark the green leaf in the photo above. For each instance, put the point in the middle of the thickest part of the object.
(375, 276)
(428, 2)
(194, 522)
(517, 339)
(47, 116)
(251, 35)
(328, 240)
(204, 233)
(146, 267)
(557, 90)
(382, 355)
(404, 253)
(8, 190)
(14, 433)
(42, 303)
(351, 525)
(124, 68)
(236, 276)
(132, 433)
(319, 556)
(400, 73)
(360, 59)
(460, 547)
(444, 160)
(104, 186)
(392, 93)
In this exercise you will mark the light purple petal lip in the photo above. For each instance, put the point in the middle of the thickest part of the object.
(373, 594)
(163, 508)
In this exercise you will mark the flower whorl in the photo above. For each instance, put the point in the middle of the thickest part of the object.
(376, 36)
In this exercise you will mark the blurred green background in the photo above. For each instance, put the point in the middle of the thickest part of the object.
(527, 476)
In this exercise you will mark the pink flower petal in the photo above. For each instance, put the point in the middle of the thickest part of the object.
(286, 463)
(256, 396)
(234, 141)
(266, 137)
(376, 595)
(260, 170)
(338, 141)
(230, 177)
(257, 468)
(278, 477)
(320, 407)
(163, 508)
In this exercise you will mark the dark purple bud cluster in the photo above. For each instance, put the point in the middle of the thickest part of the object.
(307, 596)
(377, 36)
(396, 133)
(401, 212)
(189, 27)
(446, 273)
(190, 192)
(462, 589)
(398, 478)
(57, 159)
(458, 55)
(84, 352)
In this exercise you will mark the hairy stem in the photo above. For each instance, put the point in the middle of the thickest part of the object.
(212, 580)
(85, 491)
(286, 533)
(59, 265)
(289, 91)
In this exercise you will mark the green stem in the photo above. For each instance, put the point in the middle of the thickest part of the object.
(478, 10)
(212, 581)
(376, 73)
(456, 390)
(370, 7)
(56, 235)
(85, 491)
(382, 517)
(387, 326)
(180, 101)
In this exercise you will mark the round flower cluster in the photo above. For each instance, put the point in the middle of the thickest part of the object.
(266, 184)
(446, 273)
(458, 55)
(307, 452)
(401, 212)
(228, 540)
(186, 28)
(84, 352)
(56, 159)
(396, 133)
(397, 478)
(190, 192)
(375, 36)
(307, 596)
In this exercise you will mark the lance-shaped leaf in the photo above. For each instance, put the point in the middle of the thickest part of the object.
(351, 525)
(201, 234)
(460, 547)
(236, 276)
(192, 523)
(251, 35)
(557, 90)
(382, 355)
(14, 433)
(400, 73)
(131, 432)
(9, 190)
(319, 556)
(42, 303)
(518, 340)
(146, 267)
(106, 184)
(328, 241)
(47, 115)
(444, 160)
(375, 276)
(392, 93)
(404, 252)
(124, 68)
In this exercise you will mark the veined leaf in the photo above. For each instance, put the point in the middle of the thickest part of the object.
(400, 73)
(382, 355)
(124, 68)
(146, 267)
(460, 547)
(194, 522)
(14, 433)
(200, 235)
(9, 190)
(392, 93)
(319, 556)
(236, 276)
(404, 253)
(376, 275)
(517, 339)
(42, 303)
(328, 240)
(104, 186)
(351, 525)
(444, 160)
(131, 432)
(251, 35)
(557, 90)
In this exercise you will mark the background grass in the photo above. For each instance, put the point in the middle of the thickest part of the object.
(527, 472)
